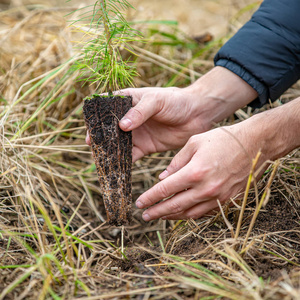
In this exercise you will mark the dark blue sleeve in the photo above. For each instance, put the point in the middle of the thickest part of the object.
(265, 52)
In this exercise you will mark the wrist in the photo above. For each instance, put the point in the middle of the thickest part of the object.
(274, 132)
(220, 93)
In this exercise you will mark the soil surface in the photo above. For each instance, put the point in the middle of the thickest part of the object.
(277, 226)
(280, 222)
(273, 244)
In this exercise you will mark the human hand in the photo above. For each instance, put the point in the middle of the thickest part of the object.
(161, 119)
(212, 166)
(215, 165)
(164, 118)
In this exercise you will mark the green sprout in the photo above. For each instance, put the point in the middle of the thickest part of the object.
(108, 33)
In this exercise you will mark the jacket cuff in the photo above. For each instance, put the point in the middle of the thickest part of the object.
(261, 89)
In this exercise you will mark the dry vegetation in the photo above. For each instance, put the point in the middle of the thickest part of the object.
(54, 243)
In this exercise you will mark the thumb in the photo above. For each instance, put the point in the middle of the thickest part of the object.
(140, 113)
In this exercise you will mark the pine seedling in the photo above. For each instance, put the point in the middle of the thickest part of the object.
(101, 63)
(108, 33)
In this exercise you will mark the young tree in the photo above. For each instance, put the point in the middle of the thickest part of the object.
(101, 63)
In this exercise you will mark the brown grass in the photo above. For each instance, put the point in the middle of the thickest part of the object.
(54, 243)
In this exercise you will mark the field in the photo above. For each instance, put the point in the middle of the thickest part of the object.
(54, 241)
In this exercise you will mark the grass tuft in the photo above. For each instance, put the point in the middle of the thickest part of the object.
(54, 241)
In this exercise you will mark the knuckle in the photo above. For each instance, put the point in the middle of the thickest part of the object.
(156, 99)
(128, 91)
(174, 207)
(212, 190)
(137, 112)
(194, 198)
(162, 190)
(195, 176)
(193, 140)
(191, 215)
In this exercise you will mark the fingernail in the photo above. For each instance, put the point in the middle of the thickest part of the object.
(126, 123)
(163, 175)
(146, 217)
(139, 204)
(88, 139)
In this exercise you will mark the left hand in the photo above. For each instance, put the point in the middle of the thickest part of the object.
(212, 165)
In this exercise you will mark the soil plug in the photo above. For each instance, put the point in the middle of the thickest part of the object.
(111, 148)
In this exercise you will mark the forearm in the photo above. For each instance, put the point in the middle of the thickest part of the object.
(276, 132)
(220, 93)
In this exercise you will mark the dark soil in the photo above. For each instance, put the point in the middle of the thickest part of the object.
(112, 152)
(277, 223)
(280, 215)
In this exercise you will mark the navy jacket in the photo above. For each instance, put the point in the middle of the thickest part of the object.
(265, 52)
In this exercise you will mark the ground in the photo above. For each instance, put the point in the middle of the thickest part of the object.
(54, 241)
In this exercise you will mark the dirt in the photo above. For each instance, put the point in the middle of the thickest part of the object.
(276, 232)
(278, 223)
(111, 148)
(280, 216)
(275, 235)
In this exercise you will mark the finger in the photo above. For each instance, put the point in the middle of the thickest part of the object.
(181, 159)
(195, 212)
(88, 138)
(140, 113)
(177, 204)
(137, 153)
(164, 189)
(135, 93)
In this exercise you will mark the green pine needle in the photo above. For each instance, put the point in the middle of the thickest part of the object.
(108, 32)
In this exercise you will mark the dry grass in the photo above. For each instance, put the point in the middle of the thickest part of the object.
(54, 243)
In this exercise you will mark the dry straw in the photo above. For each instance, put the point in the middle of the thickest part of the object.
(53, 241)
